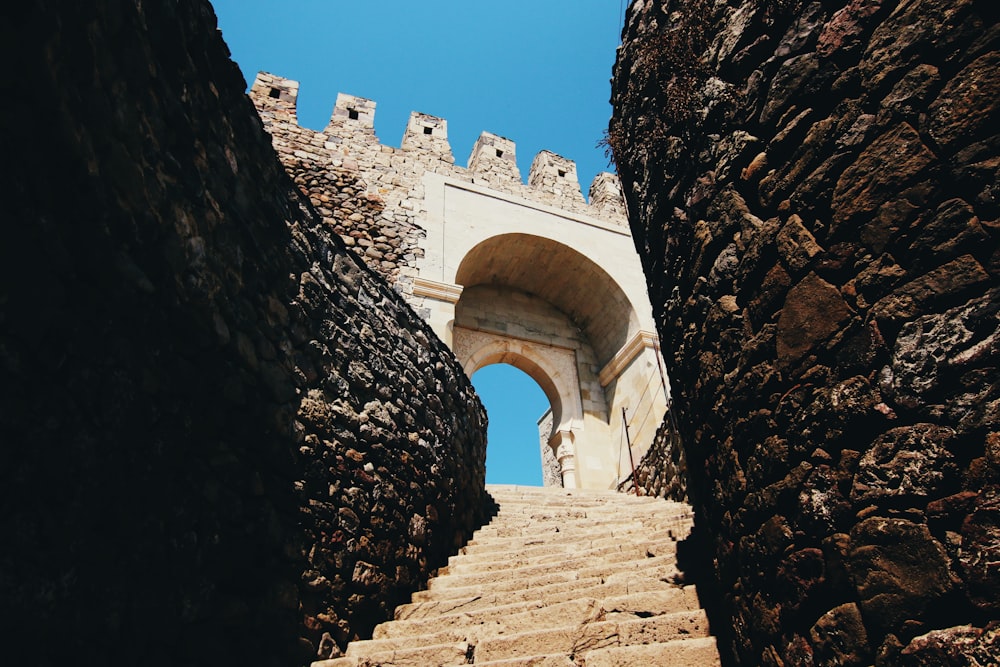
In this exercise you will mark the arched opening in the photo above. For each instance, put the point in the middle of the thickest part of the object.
(552, 312)
(557, 275)
(514, 403)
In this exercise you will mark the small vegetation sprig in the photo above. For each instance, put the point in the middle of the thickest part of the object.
(666, 74)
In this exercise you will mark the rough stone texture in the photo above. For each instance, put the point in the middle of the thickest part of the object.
(813, 191)
(226, 441)
(661, 471)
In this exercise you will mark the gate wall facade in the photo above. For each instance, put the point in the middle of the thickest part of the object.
(505, 271)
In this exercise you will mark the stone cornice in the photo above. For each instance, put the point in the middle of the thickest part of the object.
(435, 290)
(632, 349)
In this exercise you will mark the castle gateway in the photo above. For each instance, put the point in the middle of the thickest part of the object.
(528, 275)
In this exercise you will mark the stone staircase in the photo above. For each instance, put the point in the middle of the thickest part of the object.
(559, 578)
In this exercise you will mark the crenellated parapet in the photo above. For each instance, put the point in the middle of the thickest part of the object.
(349, 150)
(492, 161)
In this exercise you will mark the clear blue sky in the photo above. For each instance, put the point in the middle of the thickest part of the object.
(534, 71)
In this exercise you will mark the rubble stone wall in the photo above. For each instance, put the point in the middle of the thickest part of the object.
(661, 472)
(813, 189)
(224, 439)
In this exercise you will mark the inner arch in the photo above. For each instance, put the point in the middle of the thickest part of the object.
(560, 275)
(499, 351)
(514, 402)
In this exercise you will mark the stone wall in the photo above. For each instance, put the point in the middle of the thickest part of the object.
(813, 190)
(662, 470)
(225, 440)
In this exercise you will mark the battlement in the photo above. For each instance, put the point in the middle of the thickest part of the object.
(275, 94)
(554, 173)
(429, 135)
(492, 162)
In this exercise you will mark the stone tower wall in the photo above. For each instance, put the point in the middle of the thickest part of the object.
(814, 193)
(383, 222)
(225, 439)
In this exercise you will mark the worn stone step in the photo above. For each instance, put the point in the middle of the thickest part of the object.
(531, 533)
(560, 578)
(522, 590)
(512, 512)
(487, 623)
(541, 553)
(514, 566)
(525, 615)
(419, 656)
(511, 507)
(694, 652)
(510, 580)
(533, 661)
(582, 629)
(658, 542)
(583, 638)
(555, 503)
(484, 544)
(515, 513)
(584, 527)
(699, 652)
(518, 543)
(613, 551)
(475, 599)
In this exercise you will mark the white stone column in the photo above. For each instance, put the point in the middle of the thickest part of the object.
(562, 444)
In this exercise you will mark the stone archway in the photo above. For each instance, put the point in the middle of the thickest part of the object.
(553, 369)
(559, 295)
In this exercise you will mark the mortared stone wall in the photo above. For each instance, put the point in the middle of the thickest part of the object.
(224, 439)
(813, 188)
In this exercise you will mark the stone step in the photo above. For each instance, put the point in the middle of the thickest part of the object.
(534, 532)
(533, 661)
(499, 548)
(571, 513)
(522, 542)
(515, 507)
(614, 586)
(565, 529)
(517, 567)
(540, 552)
(611, 552)
(694, 652)
(529, 614)
(580, 639)
(512, 582)
(560, 578)
(419, 656)
(583, 630)
(514, 504)
(697, 652)
(666, 571)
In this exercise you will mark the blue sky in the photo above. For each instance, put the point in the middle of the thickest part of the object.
(533, 71)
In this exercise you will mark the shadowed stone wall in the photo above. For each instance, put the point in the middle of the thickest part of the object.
(224, 439)
(813, 190)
